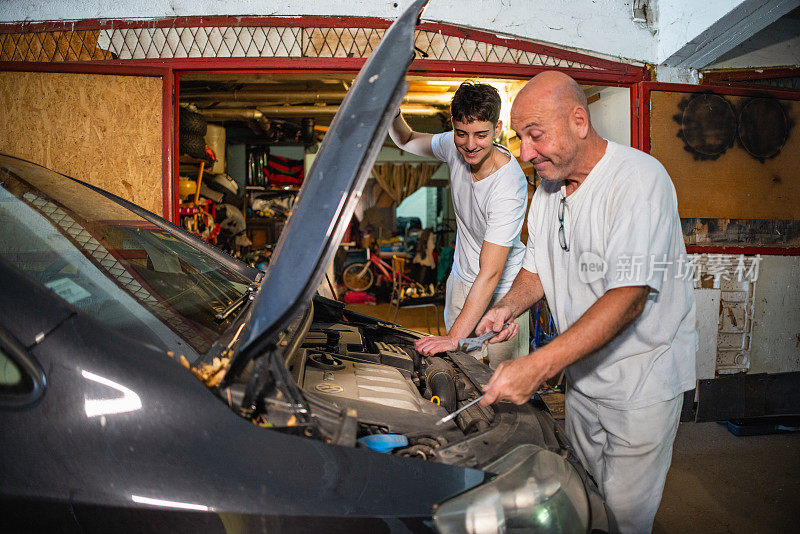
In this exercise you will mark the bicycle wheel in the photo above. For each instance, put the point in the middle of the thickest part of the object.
(355, 280)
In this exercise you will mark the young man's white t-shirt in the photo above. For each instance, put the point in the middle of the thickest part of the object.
(622, 229)
(492, 210)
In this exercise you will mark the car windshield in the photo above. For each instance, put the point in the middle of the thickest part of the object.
(111, 263)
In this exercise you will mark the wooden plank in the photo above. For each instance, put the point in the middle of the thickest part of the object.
(102, 129)
(734, 184)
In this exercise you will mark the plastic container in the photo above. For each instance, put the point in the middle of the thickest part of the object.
(215, 139)
(384, 442)
(186, 188)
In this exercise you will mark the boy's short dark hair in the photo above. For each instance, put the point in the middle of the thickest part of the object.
(476, 102)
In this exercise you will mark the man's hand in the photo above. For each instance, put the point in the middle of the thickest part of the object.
(494, 320)
(492, 259)
(515, 381)
(430, 345)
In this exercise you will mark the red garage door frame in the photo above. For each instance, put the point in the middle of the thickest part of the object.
(643, 90)
(583, 67)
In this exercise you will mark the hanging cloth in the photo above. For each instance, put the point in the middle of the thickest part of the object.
(400, 180)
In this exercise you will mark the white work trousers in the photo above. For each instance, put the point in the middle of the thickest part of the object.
(517, 347)
(628, 452)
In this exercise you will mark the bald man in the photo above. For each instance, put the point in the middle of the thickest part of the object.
(605, 248)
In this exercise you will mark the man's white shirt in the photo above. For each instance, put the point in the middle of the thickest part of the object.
(492, 210)
(622, 229)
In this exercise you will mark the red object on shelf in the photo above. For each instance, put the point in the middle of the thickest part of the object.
(358, 297)
(283, 171)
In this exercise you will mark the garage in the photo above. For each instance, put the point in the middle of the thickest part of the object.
(267, 128)
(256, 243)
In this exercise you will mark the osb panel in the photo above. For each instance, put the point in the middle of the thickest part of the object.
(102, 129)
(52, 46)
(714, 175)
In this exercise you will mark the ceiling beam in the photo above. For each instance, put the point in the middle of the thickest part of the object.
(738, 25)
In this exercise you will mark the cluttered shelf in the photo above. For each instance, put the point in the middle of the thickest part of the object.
(263, 221)
(242, 216)
(259, 188)
(191, 160)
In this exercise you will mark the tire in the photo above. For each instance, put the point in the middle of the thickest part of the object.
(192, 123)
(192, 144)
(353, 281)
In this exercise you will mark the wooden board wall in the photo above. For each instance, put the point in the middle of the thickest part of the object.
(103, 129)
(735, 185)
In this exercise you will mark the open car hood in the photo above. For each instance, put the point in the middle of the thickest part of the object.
(333, 186)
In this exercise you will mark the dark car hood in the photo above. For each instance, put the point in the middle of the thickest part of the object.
(333, 186)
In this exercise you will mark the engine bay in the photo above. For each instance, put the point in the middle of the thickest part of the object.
(346, 363)
(392, 388)
(359, 377)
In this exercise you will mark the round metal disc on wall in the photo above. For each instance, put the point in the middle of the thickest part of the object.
(763, 127)
(708, 125)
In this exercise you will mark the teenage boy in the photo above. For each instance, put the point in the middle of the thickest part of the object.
(489, 199)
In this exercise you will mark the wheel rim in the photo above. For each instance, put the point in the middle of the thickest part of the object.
(353, 281)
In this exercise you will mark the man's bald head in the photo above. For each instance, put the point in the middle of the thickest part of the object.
(554, 90)
(551, 117)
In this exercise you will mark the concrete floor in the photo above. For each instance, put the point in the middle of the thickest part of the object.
(718, 482)
(721, 483)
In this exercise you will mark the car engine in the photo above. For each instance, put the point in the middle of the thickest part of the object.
(358, 377)
(392, 388)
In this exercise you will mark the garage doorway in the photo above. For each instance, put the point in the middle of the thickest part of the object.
(265, 127)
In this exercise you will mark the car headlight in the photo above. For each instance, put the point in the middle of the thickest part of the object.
(535, 490)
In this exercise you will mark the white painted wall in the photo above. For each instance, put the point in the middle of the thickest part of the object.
(603, 27)
(611, 114)
(707, 321)
(665, 74)
(416, 205)
(775, 342)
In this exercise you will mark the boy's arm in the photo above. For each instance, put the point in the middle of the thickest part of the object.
(492, 261)
(407, 139)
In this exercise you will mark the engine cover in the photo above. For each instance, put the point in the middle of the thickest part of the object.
(367, 382)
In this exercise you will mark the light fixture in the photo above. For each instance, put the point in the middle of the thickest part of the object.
(639, 9)
(443, 82)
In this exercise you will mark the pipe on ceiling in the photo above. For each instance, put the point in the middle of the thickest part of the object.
(233, 114)
(271, 97)
(260, 114)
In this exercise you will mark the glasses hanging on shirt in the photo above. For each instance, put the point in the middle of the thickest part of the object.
(562, 234)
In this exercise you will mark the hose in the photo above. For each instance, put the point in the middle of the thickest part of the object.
(439, 378)
(421, 451)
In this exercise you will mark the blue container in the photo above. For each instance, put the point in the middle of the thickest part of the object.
(384, 442)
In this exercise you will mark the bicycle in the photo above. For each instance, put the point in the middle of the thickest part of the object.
(361, 276)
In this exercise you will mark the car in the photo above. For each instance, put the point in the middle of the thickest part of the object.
(149, 382)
